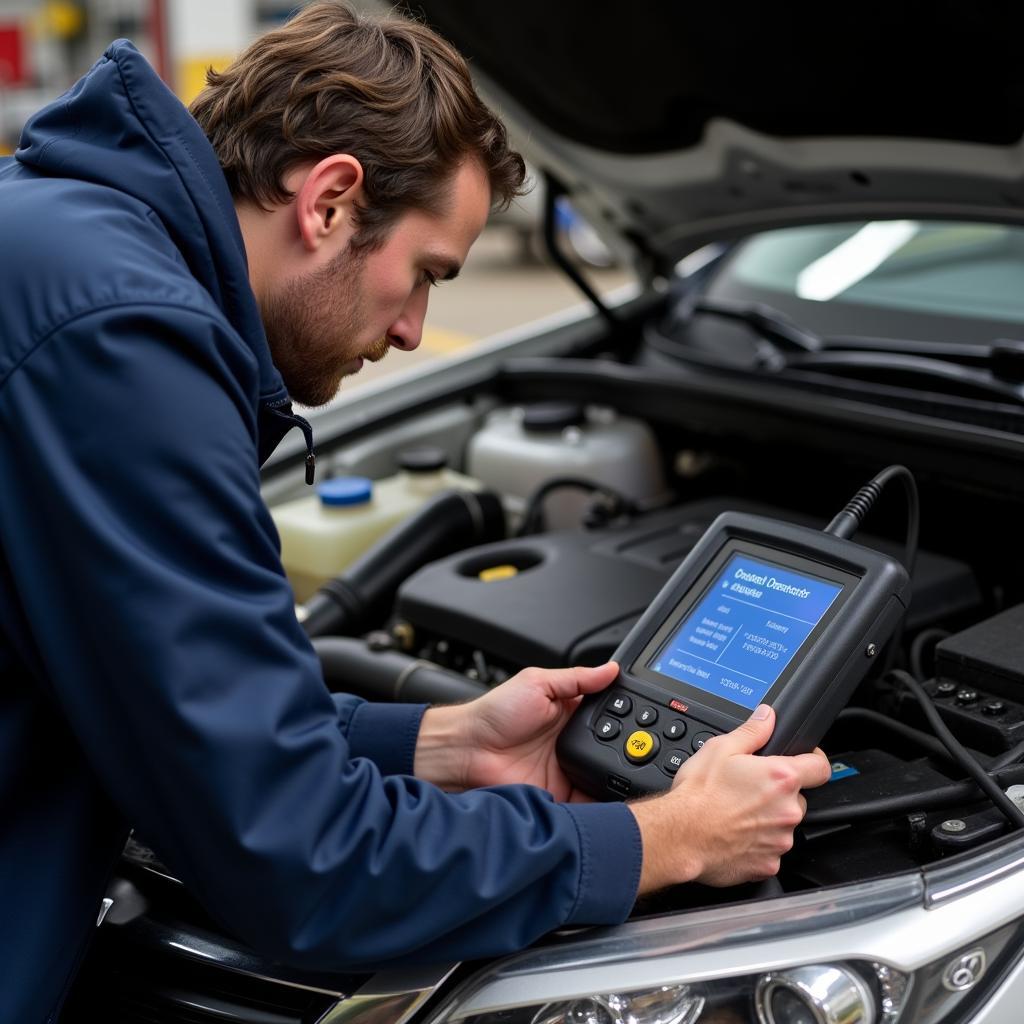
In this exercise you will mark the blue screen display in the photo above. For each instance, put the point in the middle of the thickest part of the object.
(746, 629)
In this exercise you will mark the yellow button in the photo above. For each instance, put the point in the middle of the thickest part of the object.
(640, 746)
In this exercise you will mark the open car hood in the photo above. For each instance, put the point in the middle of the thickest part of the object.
(672, 125)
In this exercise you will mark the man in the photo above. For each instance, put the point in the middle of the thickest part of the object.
(165, 287)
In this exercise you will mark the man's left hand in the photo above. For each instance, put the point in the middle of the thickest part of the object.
(508, 735)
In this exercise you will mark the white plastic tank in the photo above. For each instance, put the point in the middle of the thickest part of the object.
(322, 533)
(520, 448)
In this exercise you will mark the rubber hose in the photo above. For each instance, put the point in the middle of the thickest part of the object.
(363, 594)
(350, 665)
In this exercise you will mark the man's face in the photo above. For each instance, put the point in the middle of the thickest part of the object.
(321, 325)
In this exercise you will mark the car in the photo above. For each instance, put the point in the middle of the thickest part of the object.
(827, 222)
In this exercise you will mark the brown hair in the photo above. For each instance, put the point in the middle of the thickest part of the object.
(390, 92)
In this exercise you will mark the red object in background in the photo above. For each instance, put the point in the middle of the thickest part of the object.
(157, 23)
(13, 70)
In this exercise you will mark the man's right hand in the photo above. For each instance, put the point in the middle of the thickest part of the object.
(730, 815)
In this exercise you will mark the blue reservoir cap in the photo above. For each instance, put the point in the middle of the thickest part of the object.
(345, 490)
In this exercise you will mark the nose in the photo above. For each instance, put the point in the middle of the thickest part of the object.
(407, 331)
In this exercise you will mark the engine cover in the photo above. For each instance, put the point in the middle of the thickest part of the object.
(569, 597)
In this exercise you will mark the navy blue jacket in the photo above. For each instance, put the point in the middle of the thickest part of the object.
(152, 672)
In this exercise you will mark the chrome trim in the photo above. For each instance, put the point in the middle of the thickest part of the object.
(952, 881)
(392, 997)
(105, 904)
(394, 1009)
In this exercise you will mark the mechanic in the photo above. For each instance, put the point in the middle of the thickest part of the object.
(168, 282)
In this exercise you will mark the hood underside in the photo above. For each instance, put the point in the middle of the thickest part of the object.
(672, 125)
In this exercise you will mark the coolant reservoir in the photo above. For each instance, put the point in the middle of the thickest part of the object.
(323, 533)
(518, 449)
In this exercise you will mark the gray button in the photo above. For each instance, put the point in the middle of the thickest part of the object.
(647, 716)
(700, 739)
(674, 730)
(619, 705)
(673, 761)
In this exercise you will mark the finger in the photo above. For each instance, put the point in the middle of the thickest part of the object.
(752, 735)
(562, 683)
(812, 769)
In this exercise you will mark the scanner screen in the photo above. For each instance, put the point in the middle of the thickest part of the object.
(745, 630)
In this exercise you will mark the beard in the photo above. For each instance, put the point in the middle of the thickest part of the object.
(313, 324)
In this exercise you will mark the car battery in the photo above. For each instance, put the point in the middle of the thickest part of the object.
(979, 681)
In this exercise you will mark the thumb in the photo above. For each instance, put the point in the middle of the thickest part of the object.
(564, 683)
(753, 734)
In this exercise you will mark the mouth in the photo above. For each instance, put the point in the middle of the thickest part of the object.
(374, 354)
(378, 350)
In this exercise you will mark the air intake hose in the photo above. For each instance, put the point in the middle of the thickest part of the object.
(362, 595)
(351, 666)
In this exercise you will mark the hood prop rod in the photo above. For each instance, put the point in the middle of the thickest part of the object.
(555, 189)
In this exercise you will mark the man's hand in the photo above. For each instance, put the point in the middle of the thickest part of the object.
(508, 735)
(730, 815)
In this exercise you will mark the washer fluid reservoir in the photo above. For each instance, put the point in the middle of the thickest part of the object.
(322, 533)
(518, 449)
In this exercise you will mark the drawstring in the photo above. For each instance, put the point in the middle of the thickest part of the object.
(307, 432)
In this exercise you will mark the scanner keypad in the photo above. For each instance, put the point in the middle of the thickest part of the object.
(683, 735)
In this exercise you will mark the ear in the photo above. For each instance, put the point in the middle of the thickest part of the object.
(325, 201)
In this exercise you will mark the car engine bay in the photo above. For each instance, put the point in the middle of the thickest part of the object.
(561, 573)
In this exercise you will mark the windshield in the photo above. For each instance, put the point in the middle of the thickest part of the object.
(905, 279)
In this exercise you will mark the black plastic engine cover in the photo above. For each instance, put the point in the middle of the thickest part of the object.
(575, 594)
(570, 586)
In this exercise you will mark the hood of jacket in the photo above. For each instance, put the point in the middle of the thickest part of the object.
(121, 127)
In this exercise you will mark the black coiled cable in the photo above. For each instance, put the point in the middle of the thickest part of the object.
(847, 522)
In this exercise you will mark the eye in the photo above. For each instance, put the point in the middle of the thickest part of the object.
(429, 278)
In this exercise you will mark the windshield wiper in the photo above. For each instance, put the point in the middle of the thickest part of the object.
(766, 320)
(1003, 357)
(911, 370)
(981, 370)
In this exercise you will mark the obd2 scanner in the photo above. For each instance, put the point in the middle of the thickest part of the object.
(760, 611)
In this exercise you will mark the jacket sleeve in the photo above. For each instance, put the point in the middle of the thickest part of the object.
(149, 572)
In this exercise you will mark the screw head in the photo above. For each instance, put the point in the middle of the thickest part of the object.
(871, 650)
(954, 825)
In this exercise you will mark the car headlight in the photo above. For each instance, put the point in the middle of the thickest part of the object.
(813, 994)
(885, 952)
(667, 1004)
(852, 992)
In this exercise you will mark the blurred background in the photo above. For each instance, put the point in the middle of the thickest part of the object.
(45, 45)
